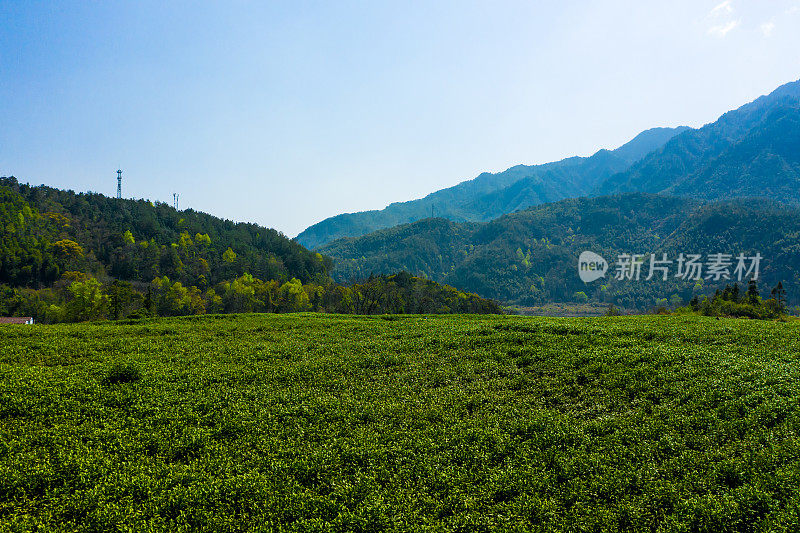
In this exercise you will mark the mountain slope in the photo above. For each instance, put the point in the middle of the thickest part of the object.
(647, 142)
(691, 152)
(428, 247)
(186, 246)
(486, 197)
(765, 163)
(550, 185)
(530, 257)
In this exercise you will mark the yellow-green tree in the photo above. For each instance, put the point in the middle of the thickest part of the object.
(229, 256)
(68, 249)
(292, 297)
(87, 301)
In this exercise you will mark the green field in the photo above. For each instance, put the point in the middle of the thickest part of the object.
(437, 423)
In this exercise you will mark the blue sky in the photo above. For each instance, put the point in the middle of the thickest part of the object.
(285, 113)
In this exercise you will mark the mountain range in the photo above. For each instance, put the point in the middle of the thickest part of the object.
(751, 151)
(731, 186)
(490, 195)
(748, 152)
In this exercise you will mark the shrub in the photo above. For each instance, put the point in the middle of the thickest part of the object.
(122, 373)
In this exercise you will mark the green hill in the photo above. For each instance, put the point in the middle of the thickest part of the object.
(530, 257)
(187, 246)
(73, 257)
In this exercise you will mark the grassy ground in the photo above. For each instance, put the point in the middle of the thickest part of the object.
(439, 423)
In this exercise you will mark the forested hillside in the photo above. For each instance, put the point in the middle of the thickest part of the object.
(751, 151)
(49, 231)
(66, 256)
(766, 162)
(531, 257)
(491, 195)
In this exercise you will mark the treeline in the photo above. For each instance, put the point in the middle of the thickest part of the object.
(734, 302)
(80, 297)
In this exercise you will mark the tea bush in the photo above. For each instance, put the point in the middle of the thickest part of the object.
(421, 423)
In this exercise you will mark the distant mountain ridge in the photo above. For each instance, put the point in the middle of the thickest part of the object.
(764, 163)
(491, 195)
(750, 151)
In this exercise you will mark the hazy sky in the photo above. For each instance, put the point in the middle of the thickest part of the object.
(285, 113)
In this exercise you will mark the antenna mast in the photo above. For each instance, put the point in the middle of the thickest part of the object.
(119, 184)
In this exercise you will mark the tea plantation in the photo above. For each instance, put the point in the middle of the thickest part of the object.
(411, 423)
